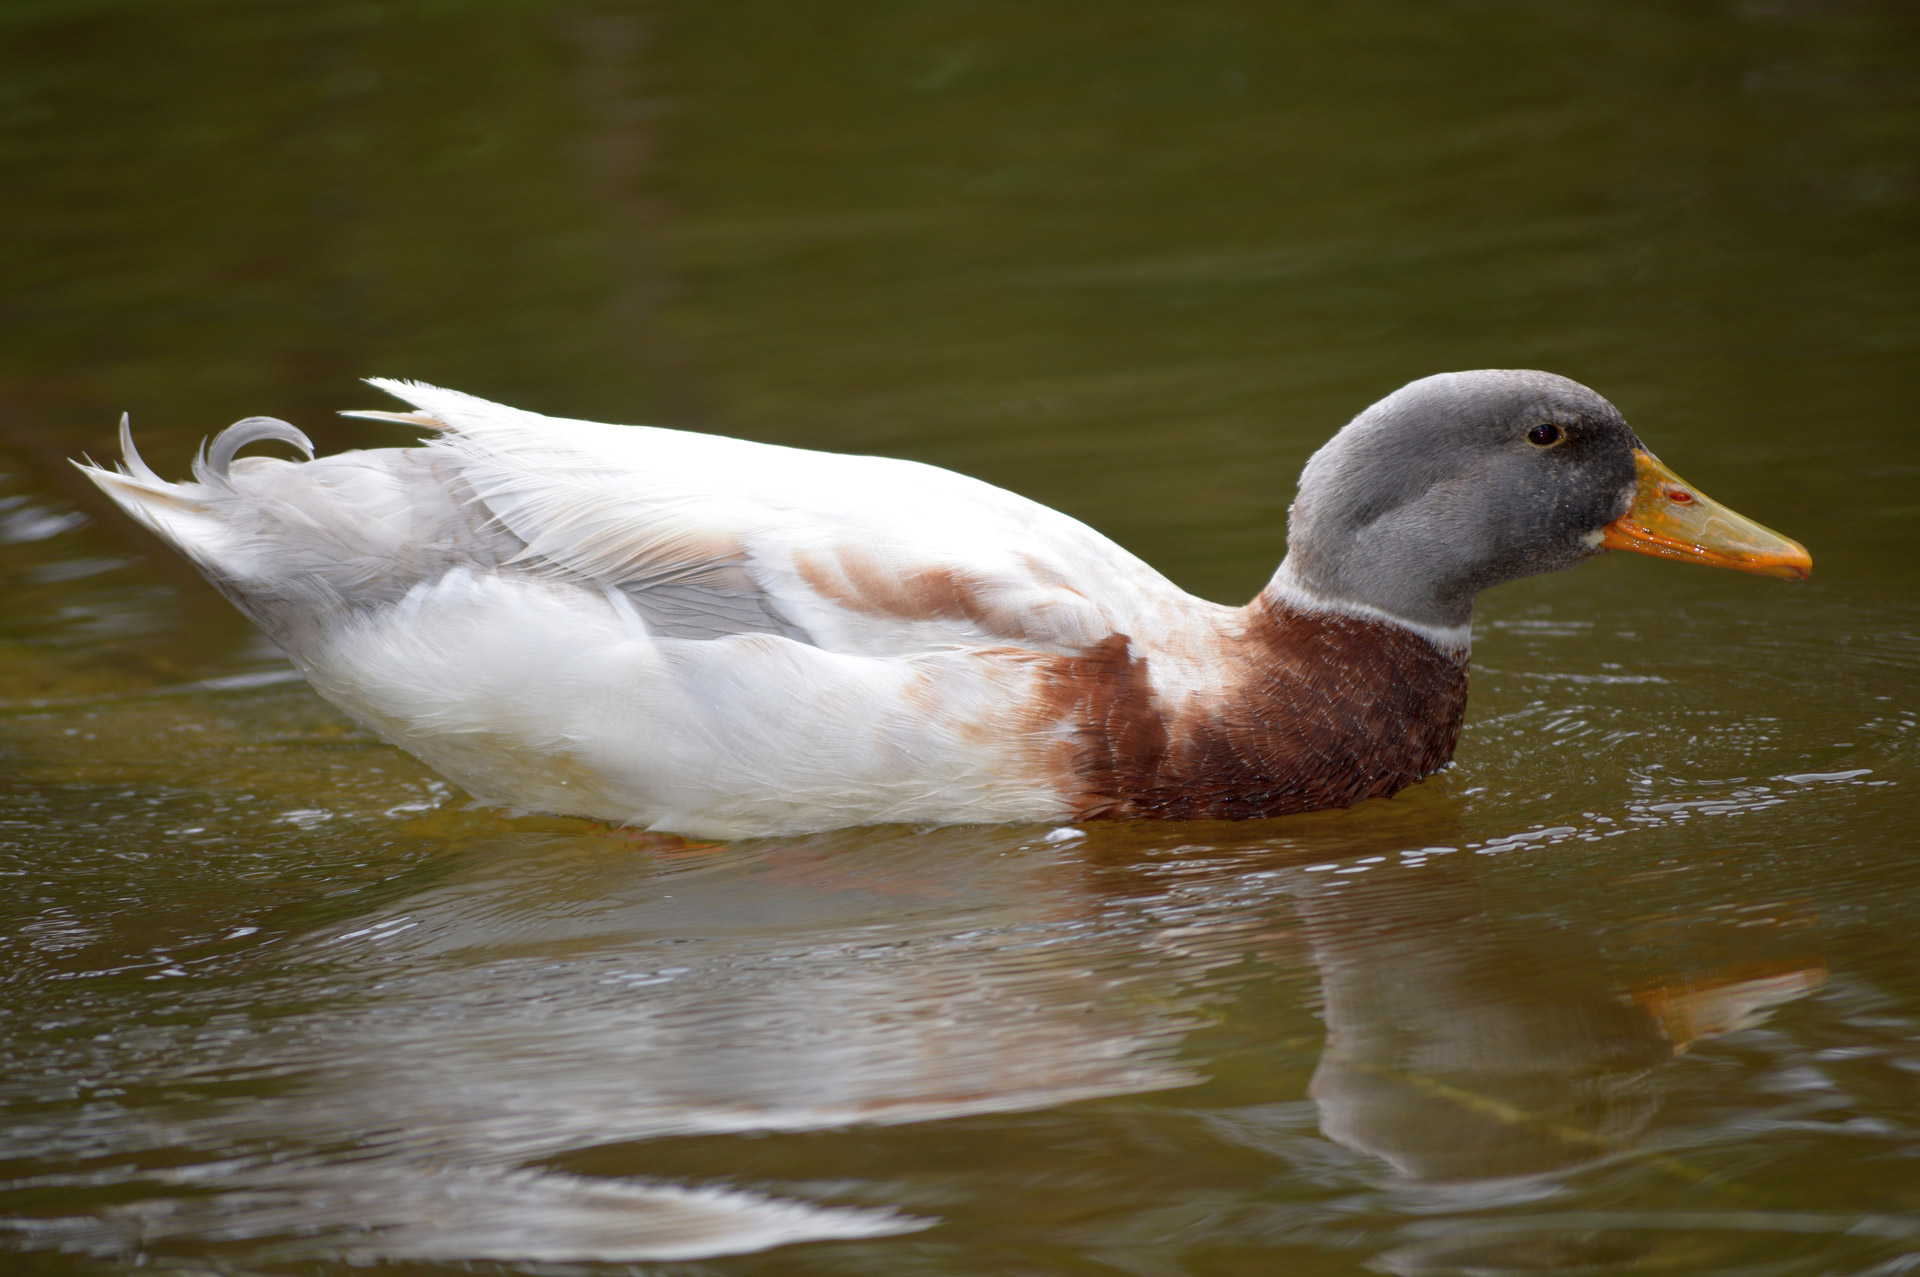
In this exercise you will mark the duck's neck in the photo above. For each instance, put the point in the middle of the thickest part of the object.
(1316, 707)
(1342, 704)
(1293, 587)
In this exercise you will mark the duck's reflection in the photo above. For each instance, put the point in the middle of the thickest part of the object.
(1453, 1052)
(555, 994)
(552, 996)
(1461, 1049)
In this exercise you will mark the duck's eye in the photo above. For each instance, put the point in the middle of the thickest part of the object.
(1546, 434)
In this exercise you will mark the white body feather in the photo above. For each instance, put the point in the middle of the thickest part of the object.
(679, 631)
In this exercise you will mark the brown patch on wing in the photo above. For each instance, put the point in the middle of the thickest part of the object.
(860, 583)
(1315, 710)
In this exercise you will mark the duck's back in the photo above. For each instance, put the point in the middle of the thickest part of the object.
(711, 536)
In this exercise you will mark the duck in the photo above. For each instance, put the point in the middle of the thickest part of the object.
(704, 636)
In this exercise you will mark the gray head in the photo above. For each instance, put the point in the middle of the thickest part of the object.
(1457, 482)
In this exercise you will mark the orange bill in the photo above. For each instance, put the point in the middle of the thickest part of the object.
(1671, 519)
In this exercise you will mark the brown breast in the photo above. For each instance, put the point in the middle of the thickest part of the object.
(1314, 710)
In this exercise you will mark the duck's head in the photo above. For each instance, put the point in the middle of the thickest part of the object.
(1463, 480)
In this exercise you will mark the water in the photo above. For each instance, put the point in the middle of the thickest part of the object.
(1632, 988)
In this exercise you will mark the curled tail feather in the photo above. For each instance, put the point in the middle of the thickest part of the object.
(213, 463)
(180, 513)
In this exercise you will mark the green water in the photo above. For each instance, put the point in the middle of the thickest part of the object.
(1632, 988)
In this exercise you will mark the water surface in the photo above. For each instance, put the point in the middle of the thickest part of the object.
(1631, 988)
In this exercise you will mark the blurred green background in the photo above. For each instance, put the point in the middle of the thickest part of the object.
(1135, 260)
